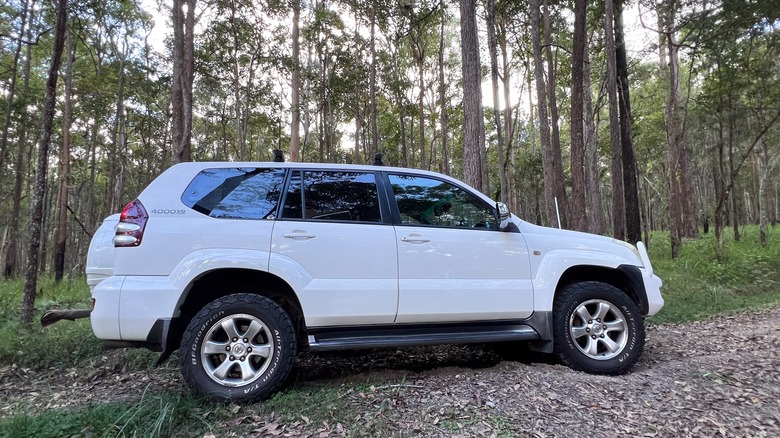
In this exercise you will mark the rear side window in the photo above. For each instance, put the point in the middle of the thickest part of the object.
(332, 196)
(235, 193)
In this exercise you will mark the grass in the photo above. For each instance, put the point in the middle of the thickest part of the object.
(696, 286)
(154, 415)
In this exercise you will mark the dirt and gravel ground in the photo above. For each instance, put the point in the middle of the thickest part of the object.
(719, 377)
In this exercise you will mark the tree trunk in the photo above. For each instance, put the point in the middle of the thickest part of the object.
(64, 171)
(578, 219)
(630, 190)
(295, 104)
(548, 161)
(36, 212)
(372, 86)
(508, 126)
(11, 91)
(593, 189)
(12, 250)
(493, 50)
(444, 118)
(763, 157)
(555, 139)
(183, 77)
(618, 206)
(473, 120)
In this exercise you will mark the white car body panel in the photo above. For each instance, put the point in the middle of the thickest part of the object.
(351, 268)
(174, 238)
(100, 257)
(105, 315)
(144, 300)
(453, 275)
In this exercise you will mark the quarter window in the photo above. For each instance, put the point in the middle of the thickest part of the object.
(235, 193)
(332, 196)
(428, 201)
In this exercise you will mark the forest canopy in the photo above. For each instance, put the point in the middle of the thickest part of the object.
(540, 104)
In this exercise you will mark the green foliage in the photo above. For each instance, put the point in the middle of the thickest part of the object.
(67, 344)
(698, 286)
(154, 415)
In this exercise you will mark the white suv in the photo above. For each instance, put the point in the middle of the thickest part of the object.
(241, 265)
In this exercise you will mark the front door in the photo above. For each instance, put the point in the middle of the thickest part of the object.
(454, 263)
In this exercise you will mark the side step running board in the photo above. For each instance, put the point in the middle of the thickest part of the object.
(419, 336)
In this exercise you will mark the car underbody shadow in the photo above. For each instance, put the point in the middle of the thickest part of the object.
(311, 366)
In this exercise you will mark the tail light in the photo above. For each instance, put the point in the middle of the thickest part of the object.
(132, 222)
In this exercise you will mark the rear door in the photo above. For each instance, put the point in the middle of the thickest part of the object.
(335, 245)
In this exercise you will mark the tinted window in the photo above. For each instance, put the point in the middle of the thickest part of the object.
(335, 196)
(245, 193)
(427, 201)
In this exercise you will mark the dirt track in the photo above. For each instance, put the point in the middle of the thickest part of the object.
(719, 377)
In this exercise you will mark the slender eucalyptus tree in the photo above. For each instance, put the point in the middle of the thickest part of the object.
(37, 209)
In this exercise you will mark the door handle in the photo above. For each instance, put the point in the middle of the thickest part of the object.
(415, 238)
(299, 235)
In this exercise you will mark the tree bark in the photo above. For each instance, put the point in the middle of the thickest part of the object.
(630, 189)
(578, 211)
(12, 250)
(555, 138)
(493, 50)
(593, 189)
(36, 212)
(763, 157)
(473, 119)
(618, 206)
(372, 86)
(295, 126)
(11, 92)
(444, 118)
(508, 126)
(64, 167)
(183, 77)
(548, 161)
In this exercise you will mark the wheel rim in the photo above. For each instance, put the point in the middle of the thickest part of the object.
(598, 329)
(237, 350)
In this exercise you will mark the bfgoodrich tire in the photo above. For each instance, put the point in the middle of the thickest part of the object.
(598, 329)
(238, 348)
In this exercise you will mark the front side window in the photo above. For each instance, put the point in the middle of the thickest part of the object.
(235, 193)
(428, 201)
(333, 196)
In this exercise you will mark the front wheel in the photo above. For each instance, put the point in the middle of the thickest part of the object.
(238, 348)
(597, 328)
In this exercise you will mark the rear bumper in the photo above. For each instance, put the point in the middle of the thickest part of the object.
(139, 302)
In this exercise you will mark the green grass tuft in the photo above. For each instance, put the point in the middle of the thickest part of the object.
(154, 415)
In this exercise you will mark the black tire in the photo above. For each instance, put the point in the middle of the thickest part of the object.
(597, 328)
(257, 357)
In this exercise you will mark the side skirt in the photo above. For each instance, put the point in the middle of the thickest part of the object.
(327, 339)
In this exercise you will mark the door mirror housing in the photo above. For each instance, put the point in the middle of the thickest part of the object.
(504, 216)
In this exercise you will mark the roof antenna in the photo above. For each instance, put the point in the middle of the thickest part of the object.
(378, 159)
(278, 156)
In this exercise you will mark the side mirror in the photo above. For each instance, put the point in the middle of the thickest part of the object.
(503, 211)
(503, 216)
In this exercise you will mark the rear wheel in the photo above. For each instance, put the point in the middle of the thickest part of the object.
(597, 328)
(238, 348)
